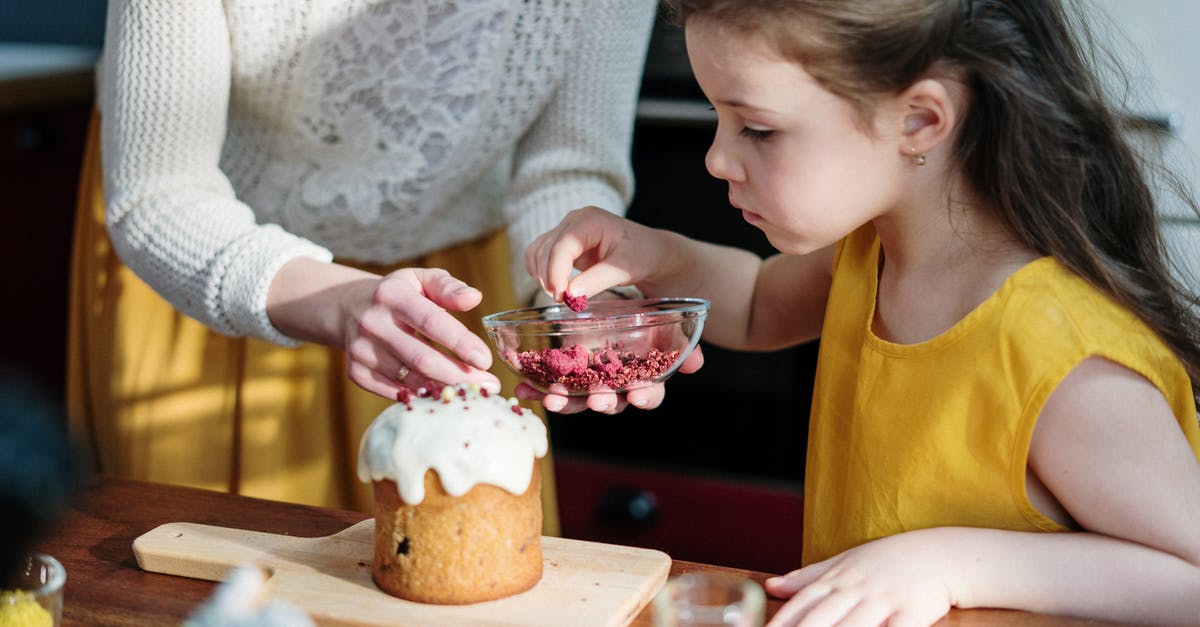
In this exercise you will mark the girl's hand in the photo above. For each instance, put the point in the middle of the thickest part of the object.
(607, 249)
(647, 397)
(899, 581)
(394, 326)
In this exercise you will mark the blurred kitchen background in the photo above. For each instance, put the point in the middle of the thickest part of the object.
(715, 474)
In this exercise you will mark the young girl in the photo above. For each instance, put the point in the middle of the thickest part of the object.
(1004, 412)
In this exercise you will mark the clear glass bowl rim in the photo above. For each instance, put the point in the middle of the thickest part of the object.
(652, 312)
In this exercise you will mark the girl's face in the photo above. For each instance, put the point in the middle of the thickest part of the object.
(799, 163)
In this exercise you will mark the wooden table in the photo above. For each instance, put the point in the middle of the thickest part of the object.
(105, 586)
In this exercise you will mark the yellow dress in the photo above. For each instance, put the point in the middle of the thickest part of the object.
(933, 434)
(157, 396)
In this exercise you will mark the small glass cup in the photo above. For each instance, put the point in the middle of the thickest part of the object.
(709, 600)
(36, 597)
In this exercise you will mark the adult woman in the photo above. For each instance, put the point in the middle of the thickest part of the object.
(277, 171)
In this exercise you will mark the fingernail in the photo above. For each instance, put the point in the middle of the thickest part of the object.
(554, 404)
(478, 359)
(641, 402)
(491, 386)
(464, 289)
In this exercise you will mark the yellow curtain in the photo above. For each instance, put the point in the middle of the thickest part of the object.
(155, 395)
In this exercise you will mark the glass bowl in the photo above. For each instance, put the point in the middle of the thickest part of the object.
(34, 593)
(612, 346)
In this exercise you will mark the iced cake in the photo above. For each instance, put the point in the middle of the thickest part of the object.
(458, 514)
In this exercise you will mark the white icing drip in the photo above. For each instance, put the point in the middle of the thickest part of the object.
(467, 438)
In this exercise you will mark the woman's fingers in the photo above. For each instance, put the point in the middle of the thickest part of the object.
(398, 337)
(421, 306)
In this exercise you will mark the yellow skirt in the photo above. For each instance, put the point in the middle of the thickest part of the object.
(155, 395)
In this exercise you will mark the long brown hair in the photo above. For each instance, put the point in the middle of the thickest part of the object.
(1040, 139)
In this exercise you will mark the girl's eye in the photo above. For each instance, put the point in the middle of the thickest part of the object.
(756, 134)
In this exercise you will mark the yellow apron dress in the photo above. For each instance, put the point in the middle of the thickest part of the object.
(157, 396)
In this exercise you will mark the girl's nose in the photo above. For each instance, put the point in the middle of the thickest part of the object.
(720, 163)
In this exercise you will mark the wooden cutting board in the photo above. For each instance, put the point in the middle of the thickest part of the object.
(583, 583)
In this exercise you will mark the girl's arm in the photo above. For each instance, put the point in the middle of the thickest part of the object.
(1109, 450)
(756, 304)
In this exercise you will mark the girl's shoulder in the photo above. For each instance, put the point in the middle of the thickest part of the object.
(1051, 314)
(1047, 294)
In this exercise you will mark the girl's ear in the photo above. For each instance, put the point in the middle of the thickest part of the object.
(929, 114)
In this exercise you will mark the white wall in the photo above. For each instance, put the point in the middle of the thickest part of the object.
(1159, 43)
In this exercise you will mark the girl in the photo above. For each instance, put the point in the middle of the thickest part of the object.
(1004, 412)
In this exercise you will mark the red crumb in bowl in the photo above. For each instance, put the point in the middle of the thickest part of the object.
(577, 369)
(576, 303)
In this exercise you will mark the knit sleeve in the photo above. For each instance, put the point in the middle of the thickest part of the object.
(171, 213)
(578, 152)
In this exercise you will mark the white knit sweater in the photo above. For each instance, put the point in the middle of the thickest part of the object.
(239, 134)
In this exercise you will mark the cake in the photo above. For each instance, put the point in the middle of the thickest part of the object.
(458, 513)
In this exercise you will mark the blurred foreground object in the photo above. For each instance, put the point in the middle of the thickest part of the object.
(33, 595)
(241, 601)
(38, 467)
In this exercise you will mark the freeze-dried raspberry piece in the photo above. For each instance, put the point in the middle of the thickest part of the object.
(573, 360)
(576, 303)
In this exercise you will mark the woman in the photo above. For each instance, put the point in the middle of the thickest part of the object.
(279, 180)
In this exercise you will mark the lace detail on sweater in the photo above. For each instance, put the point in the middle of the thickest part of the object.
(372, 130)
(392, 93)
(403, 103)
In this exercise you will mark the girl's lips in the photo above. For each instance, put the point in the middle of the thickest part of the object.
(748, 216)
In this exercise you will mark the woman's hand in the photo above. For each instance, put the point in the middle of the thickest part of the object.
(899, 581)
(393, 328)
(393, 340)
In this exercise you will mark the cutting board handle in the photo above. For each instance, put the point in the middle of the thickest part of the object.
(209, 552)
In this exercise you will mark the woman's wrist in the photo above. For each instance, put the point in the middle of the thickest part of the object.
(314, 301)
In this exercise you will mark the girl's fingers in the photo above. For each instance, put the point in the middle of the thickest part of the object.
(560, 262)
(596, 279)
(648, 397)
(791, 583)
(693, 362)
(870, 613)
(604, 402)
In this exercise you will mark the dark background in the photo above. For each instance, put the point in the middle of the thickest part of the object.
(52, 21)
